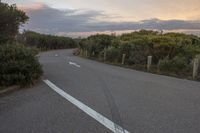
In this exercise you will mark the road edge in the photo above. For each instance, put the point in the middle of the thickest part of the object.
(9, 90)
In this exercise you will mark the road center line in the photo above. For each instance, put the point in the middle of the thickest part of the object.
(98, 117)
(73, 63)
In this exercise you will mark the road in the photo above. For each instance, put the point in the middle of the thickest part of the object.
(92, 97)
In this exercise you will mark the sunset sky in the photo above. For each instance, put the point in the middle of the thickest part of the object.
(79, 16)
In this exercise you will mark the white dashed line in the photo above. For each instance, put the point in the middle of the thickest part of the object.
(73, 63)
(98, 117)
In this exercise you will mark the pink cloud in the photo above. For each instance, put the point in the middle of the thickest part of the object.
(31, 6)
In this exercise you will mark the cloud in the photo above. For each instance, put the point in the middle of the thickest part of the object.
(131, 10)
(45, 19)
(31, 6)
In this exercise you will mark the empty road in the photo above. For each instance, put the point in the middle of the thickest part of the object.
(78, 95)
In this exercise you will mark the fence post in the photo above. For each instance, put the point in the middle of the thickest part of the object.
(104, 55)
(195, 68)
(123, 58)
(149, 61)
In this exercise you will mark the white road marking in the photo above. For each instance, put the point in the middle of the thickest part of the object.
(73, 63)
(98, 117)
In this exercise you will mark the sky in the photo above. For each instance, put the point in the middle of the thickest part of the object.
(83, 17)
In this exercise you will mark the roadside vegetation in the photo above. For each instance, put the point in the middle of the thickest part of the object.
(45, 42)
(172, 53)
(19, 63)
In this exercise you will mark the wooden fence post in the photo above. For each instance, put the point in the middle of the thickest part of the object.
(195, 68)
(149, 61)
(123, 58)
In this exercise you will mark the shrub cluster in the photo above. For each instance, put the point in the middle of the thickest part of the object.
(18, 65)
(177, 64)
(95, 44)
(46, 42)
(172, 52)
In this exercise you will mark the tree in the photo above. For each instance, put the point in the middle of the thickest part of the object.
(10, 20)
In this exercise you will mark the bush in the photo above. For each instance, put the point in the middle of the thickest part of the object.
(95, 44)
(173, 51)
(113, 54)
(198, 75)
(45, 42)
(18, 65)
(138, 54)
(177, 64)
(198, 72)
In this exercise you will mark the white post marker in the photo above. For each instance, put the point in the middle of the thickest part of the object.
(123, 58)
(92, 113)
(149, 61)
(73, 63)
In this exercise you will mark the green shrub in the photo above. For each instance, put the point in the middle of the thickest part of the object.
(177, 64)
(18, 65)
(173, 51)
(113, 54)
(45, 42)
(138, 54)
(95, 44)
(198, 72)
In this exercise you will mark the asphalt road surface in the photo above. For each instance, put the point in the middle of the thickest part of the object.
(77, 95)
